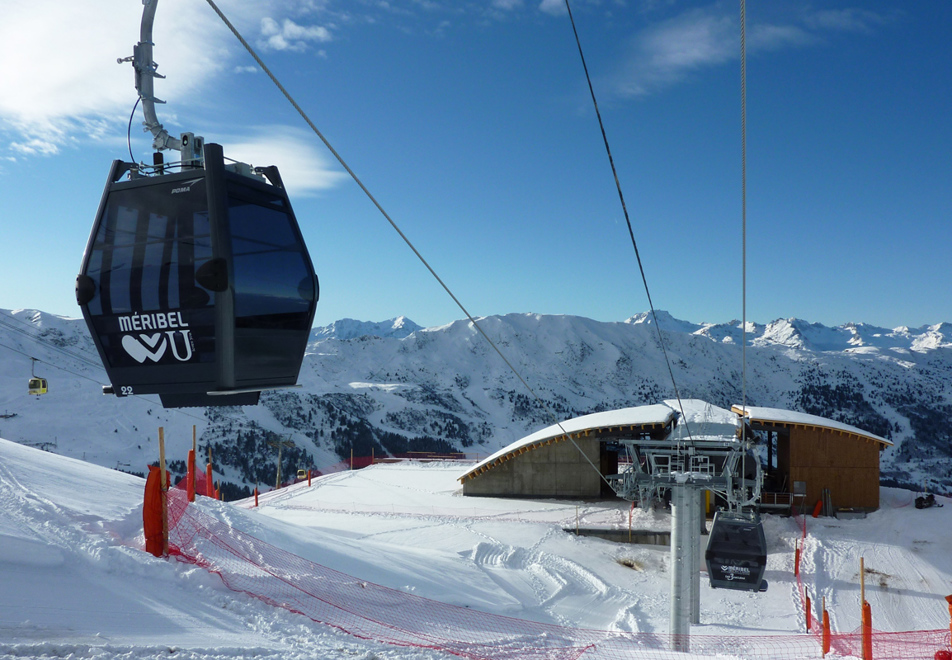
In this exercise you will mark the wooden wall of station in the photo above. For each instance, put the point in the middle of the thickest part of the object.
(844, 463)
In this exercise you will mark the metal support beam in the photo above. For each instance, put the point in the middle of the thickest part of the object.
(697, 520)
(681, 522)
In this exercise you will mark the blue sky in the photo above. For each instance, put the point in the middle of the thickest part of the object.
(470, 122)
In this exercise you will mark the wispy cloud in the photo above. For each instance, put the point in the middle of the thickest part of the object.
(304, 168)
(552, 7)
(288, 35)
(669, 51)
(61, 85)
(847, 20)
(507, 5)
(673, 49)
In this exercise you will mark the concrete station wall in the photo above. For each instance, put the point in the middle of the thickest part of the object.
(556, 470)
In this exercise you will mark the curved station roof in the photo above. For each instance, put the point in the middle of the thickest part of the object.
(632, 420)
(645, 419)
(791, 419)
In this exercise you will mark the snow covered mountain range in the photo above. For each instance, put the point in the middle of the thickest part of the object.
(394, 387)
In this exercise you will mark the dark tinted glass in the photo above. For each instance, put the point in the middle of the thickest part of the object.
(274, 287)
(148, 308)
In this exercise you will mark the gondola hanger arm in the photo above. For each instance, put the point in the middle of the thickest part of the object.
(146, 71)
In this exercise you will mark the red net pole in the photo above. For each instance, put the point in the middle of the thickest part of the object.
(190, 477)
(867, 632)
(826, 631)
(809, 613)
(949, 600)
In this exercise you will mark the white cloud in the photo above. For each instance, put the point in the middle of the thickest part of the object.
(553, 7)
(847, 20)
(767, 36)
(664, 54)
(288, 35)
(61, 80)
(672, 50)
(507, 5)
(298, 154)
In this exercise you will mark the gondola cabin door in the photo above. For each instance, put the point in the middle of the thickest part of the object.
(197, 285)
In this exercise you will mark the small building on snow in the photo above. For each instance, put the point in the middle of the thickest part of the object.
(808, 454)
(805, 454)
(558, 460)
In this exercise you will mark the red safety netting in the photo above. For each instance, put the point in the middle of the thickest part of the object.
(369, 611)
(913, 644)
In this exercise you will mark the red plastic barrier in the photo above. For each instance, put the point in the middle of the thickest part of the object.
(867, 632)
(152, 513)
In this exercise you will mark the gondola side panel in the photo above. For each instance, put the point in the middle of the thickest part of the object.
(274, 285)
(152, 322)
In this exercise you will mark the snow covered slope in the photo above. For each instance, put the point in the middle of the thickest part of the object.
(393, 387)
(75, 582)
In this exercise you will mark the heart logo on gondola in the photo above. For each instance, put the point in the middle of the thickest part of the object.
(140, 352)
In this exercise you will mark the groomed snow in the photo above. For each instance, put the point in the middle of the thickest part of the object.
(75, 583)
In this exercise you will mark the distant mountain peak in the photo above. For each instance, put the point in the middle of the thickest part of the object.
(344, 329)
(665, 320)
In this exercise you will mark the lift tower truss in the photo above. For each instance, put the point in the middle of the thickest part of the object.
(687, 468)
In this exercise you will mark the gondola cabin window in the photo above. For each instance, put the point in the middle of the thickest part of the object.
(145, 256)
(273, 282)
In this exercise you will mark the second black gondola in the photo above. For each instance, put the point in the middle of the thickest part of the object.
(736, 553)
(197, 285)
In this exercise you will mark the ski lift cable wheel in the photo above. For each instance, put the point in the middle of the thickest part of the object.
(196, 283)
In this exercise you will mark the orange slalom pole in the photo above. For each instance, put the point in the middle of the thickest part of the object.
(826, 629)
(164, 482)
(256, 496)
(309, 476)
(190, 476)
(949, 601)
(867, 616)
(796, 560)
(867, 632)
(194, 478)
(809, 613)
(209, 484)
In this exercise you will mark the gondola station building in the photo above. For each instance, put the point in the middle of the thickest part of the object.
(805, 458)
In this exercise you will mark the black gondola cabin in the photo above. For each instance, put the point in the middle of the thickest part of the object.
(736, 553)
(197, 285)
